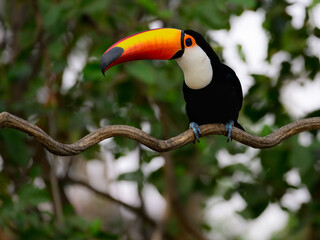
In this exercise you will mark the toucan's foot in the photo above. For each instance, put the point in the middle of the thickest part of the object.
(196, 130)
(228, 129)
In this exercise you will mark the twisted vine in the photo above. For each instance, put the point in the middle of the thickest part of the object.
(8, 120)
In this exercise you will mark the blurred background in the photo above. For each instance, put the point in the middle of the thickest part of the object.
(50, 75)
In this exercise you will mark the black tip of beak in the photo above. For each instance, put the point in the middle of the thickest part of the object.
(109, 57)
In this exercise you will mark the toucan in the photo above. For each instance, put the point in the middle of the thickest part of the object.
(211, 89)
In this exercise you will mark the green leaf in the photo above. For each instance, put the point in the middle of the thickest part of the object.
(35, 171)
(92, 73)
(302, 158)
(93, 7)
(136, 176)
(244, 3)
(275, 162)
(241, 53)
(52, 16)
(95, 227)
(14, 142)
(148, 5)
(31, 195)
(20, 70)
(256, 197)
(143, 71)
(266, 130)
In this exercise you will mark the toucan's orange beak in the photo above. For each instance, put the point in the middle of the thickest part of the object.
(162, 43)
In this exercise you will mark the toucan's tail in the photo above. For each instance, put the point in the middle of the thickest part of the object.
(236, 124)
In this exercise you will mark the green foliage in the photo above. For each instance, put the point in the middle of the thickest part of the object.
(14, 145)
(39, 39)
(21, 216)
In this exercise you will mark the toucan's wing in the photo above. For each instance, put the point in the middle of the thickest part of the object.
(232, 90)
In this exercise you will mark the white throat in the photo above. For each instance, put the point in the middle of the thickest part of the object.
(196, 67)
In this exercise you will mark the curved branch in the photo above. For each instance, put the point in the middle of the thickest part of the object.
(8, 120)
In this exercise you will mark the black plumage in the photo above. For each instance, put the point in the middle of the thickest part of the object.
(221, 100)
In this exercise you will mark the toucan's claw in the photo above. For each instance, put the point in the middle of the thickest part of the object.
(228, 129)
(196, 130)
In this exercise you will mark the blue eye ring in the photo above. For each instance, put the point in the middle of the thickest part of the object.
(188, 42)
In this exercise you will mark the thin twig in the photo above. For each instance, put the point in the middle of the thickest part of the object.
(135, 210)
(8, 120)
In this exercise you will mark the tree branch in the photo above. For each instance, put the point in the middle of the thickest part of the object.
(8, 120)
(136, 210)
(105, 195)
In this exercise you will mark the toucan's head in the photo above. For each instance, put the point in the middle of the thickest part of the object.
(192, 52)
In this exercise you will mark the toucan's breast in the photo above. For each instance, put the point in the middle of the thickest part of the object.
(196, 67)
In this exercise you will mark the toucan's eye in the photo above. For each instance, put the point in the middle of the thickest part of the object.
(188, 42)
